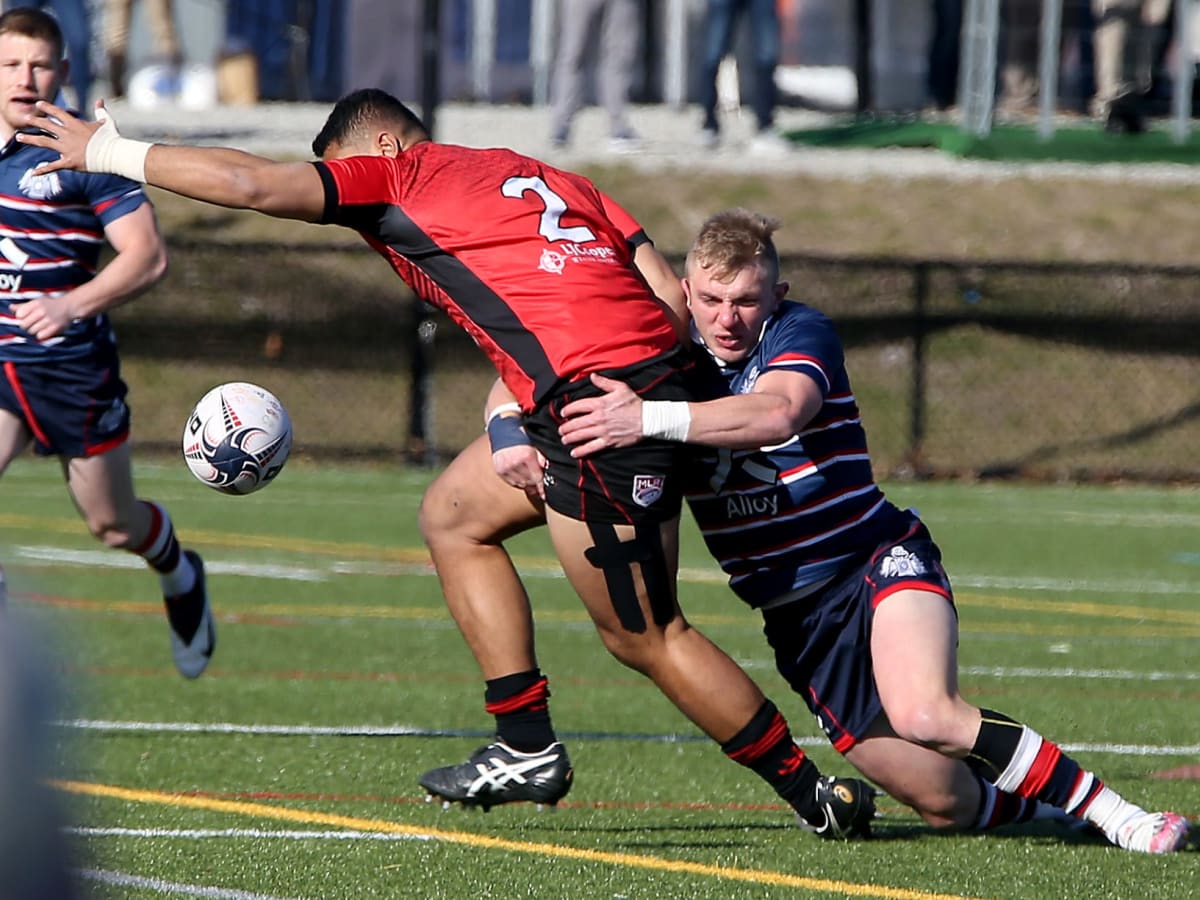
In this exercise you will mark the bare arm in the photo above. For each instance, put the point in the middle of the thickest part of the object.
(216, 175)
(140, 261)
(780, 405)
(665, 285)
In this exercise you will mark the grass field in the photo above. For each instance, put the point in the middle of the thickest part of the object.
(289, 769)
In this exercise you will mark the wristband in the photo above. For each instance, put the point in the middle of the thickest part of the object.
(108, 152)
(667, 420)
(506, 431)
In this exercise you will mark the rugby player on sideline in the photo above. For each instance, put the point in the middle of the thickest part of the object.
(61, 388)
(852, 591)
(537, 266)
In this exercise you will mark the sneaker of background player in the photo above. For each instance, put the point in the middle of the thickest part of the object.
(1151, 832)
(193, 634)
(559, 139)
(3, 589)
(770, 142)
(497, 774)
(624, 141)
(709, 138)
(847, 805)
(1125, 116)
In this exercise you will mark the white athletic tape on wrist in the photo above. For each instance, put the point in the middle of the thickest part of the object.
(108, 152)
(668, 420)
(501, 410)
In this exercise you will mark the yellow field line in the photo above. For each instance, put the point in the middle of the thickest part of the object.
(266, 811)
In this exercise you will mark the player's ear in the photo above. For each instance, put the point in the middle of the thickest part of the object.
(781, 290)
(687, 291)
(387, 144)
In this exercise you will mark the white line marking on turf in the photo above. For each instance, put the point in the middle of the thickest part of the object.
(1066, 672)
(1088, 674)
(110, 560)
(235, 728)
(550, 569)
(409, 730)
(171, 887)
(206, 833)
(1074, 585)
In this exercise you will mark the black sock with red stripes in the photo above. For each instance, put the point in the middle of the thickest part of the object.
(765, 745)
(520, 703)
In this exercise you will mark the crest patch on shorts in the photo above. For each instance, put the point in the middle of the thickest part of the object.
(647, 489)
(900, 563)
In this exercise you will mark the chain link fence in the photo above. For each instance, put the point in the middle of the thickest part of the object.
(961, 369)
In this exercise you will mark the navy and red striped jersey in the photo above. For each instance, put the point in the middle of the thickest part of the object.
(533, 262)
(51, 235)
(779, 519)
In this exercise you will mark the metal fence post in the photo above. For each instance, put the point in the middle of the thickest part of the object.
(916, 437)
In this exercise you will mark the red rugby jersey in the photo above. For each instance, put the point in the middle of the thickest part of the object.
(532, 261)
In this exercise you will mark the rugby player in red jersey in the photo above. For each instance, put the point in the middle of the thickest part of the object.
(537, 265)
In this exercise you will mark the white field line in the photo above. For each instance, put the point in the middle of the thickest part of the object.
(549, 569)
(170, 887)
(1086, 674)
(409, 730)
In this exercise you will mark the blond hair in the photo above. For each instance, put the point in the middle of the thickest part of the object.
(733, 240)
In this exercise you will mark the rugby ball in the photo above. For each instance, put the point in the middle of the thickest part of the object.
(237, 438)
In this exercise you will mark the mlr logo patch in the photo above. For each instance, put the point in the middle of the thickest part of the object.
(647, 489)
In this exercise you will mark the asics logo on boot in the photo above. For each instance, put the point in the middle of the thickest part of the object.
(498, 773)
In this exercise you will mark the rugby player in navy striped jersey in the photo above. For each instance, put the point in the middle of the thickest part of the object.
(855, 602)
(61, 389)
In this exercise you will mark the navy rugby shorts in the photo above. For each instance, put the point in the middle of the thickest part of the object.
(74, 407)
(641, 484)
(822, 642)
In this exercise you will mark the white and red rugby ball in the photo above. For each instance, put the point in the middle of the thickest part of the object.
(237, 438)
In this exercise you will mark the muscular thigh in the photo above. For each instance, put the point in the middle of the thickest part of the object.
(471, 501)
(624, 574)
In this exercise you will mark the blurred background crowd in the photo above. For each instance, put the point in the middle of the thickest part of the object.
(1116, 59)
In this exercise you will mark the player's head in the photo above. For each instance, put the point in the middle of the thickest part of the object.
(369, 122)
(731, 282)
(31, 64)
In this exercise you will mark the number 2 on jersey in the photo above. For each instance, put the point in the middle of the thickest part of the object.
(554, 209)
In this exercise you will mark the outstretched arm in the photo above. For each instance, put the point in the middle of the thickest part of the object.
(216, 175)
(780, 405)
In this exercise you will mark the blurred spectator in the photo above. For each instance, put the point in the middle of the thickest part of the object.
(720, 23)
(296, 44)
(944, 48)
(117, 15)
(75, 21)
(1019, 69)
(607, 32)
(1124, 37)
